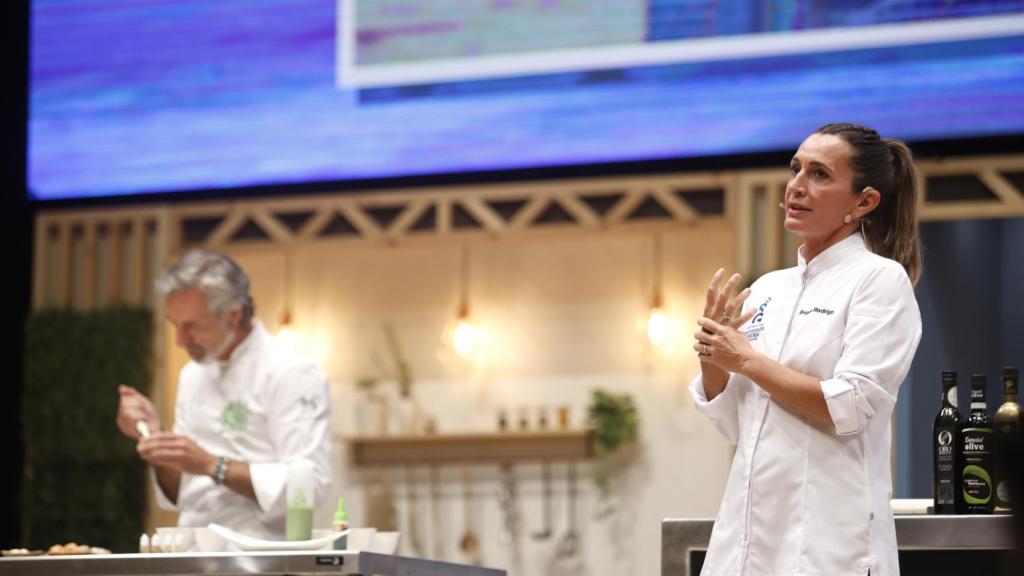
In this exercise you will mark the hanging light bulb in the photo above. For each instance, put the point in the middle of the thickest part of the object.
(285, 333)
(657, 330)
(463, 341)
(466, 336)
(657, 323)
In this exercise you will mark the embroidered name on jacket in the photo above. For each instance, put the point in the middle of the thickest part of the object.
(816, 310)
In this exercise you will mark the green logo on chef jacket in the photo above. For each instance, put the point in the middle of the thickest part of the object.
(235, 417)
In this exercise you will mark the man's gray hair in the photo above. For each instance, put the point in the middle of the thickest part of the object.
(224, 283)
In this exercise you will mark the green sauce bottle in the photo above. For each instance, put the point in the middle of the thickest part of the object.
(340, 524)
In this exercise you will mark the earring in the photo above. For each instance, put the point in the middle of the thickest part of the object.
(847, 219)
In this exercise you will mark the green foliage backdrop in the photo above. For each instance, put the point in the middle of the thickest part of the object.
(83, 480)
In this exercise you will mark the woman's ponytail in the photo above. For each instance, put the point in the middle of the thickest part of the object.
(890, 230)
(892, 227)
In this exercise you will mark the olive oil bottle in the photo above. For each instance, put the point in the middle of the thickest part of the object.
(1007, 421)
(946, 446)
(977, 442)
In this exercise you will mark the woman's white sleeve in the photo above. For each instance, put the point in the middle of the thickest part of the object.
(723, 410)
(883, 328)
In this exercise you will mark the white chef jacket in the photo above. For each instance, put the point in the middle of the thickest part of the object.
(265, 406)
(801, 498)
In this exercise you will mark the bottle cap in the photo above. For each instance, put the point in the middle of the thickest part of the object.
(978, 381)
(340, 515)
(1011, 372)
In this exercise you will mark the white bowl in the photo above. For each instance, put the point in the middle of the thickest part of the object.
(360, 539)
(385, 542)
(209, 541)
(320, 533)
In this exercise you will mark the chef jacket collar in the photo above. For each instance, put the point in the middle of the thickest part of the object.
(257, 332)
(830, 257)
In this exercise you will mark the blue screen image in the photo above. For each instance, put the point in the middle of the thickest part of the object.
(154, 96)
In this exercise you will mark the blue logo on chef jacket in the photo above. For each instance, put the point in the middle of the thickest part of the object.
(756, 324)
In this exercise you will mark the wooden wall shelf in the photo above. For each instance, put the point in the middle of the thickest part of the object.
(496, 448)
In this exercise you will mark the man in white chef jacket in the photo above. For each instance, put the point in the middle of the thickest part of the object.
(246, 407)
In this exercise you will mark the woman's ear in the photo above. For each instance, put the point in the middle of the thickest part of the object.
(869, 199)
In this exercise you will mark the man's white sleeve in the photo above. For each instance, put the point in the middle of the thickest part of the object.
(299, 421)
(180, 427)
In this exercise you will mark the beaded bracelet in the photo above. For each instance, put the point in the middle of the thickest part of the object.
(221, 470)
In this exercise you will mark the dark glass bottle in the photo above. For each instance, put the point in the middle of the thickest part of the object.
(946, 461)
(1007, 420)
(978, 439)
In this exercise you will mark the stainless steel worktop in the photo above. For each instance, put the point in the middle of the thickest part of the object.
(238, 563)
(681, 536)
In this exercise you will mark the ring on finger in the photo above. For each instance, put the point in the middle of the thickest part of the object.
(706, 353)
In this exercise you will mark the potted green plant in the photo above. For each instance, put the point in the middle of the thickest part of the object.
(614, 420)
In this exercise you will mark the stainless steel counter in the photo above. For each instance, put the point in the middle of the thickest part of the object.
(238, 563)
(681, 536)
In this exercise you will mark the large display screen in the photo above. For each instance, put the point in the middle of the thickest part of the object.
(154, 96)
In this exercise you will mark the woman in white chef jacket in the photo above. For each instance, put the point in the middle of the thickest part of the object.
(803, 378)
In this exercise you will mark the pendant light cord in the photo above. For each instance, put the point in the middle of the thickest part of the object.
(464, 282)
(656, 271)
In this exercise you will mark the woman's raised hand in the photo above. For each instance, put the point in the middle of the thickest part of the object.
(719, 340)
(722, 306)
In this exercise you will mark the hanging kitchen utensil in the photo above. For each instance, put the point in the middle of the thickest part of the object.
(545, 480)
(436, 529)
(411, 519)
(569, 544)
(469, 543)
(379, 502)
(507, 501)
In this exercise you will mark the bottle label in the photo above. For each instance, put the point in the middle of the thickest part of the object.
(977, 475)
(951, 397)
(945, 472)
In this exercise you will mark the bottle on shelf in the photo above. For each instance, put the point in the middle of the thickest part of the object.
(1007, 421)
(978, 439)
(946, 455)
(340, 524)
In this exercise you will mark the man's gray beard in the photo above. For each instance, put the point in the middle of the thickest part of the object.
(214, 356)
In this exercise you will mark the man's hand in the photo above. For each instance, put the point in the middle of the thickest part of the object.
(177, 452)
(132, 408)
